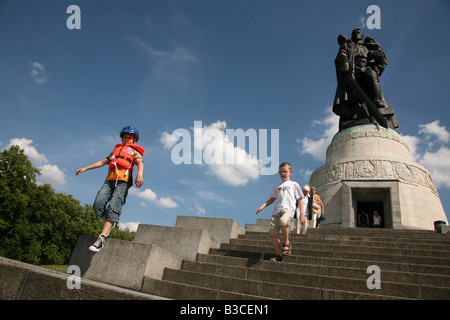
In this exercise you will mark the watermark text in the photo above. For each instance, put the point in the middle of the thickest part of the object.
(74, 281)
(374, 281)
(216, 145)
(74, 20)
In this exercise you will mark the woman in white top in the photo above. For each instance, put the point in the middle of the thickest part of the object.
(377, 220)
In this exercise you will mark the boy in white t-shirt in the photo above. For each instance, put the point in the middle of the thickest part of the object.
(286, 194)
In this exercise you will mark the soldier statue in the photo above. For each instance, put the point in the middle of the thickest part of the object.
(359, 99)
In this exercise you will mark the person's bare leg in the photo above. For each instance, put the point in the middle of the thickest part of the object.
(107, 226)
(277, 245)
(285, 233)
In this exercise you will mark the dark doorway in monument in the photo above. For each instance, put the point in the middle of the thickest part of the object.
(385, 193)
(370, 208)
(370, 196)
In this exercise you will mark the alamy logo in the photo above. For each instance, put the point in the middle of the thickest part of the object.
(215, 145)
(374, 281)
(374, 21)
(74, 281)
(74, 21)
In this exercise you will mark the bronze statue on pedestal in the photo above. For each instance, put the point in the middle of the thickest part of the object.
(359, 99)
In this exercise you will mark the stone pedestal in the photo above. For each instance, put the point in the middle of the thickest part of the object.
(369, 166)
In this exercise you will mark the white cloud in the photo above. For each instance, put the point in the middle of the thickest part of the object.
(147, 194)
(29, 150)
(169, 140)
(328, 127)
(151, 197)
(246, 167)
(38, 73)
(229, 163)
(52, 174)
(234, 175)
(304, 174)
(413, 143)
(132, 226)
(362, 22)
(176, 69)
(434, 129)
(438, 165)
(429, 149)
(167, 203)
(177, 54)
(199, 210)
(49, 173)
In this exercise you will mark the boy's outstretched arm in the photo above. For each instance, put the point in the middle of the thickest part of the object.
(266, 204)
(95, 165)
(140, 175)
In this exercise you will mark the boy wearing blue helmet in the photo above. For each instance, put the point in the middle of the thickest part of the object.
(111, 197)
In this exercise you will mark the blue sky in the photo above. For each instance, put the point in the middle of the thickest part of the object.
(65, 94)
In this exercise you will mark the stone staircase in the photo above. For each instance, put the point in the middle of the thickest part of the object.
(325, 264)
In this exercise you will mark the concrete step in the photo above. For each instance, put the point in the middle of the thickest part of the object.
(121, 263)
(265, 279)
(372, 258)
(441, 245)
(246, 280)
(326, 263)
(336, 262)
(429, 237)
(340, 262)
(182, 291)
(263, 226)
(180, 283)
(226, 265)
(432, 239)
(23, 281)
(328, 271)
(362, 247)
(385, 231)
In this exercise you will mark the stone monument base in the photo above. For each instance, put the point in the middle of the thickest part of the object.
(369, 168)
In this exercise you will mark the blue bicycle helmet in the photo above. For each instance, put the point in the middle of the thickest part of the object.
(130, 130)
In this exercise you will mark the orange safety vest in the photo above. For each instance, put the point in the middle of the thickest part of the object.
(123, 155)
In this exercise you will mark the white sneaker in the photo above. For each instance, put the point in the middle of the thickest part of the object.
(98, 245)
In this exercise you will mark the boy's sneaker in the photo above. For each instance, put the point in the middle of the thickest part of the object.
(98, 245)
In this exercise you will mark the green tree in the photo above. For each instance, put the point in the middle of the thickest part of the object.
(38, 225)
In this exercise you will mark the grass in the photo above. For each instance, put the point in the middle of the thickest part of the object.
(55, 267)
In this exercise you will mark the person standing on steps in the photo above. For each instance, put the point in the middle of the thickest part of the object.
(363, 220)
(112, 195)
(286, 194)
(317, 206)
(310, 217)
(377, 221)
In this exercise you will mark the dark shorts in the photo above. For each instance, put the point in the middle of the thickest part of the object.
(110, 200)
